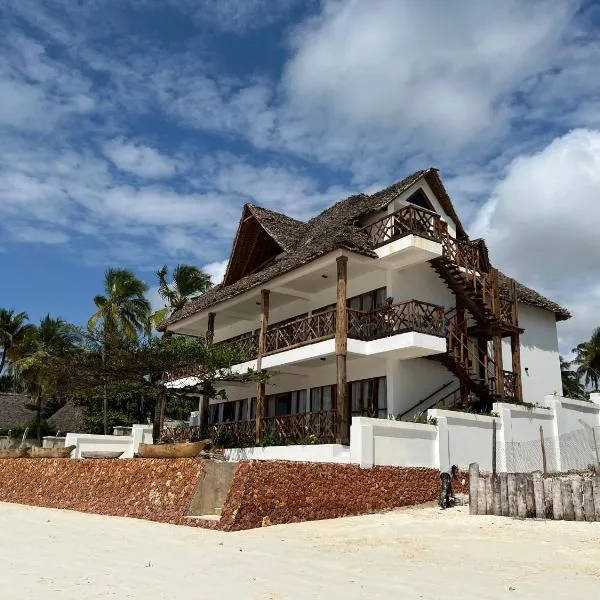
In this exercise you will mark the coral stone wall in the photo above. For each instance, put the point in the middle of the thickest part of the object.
(153, 489)
(272, 492)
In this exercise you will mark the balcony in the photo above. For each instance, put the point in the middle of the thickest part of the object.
(406, 329)
(406, 237)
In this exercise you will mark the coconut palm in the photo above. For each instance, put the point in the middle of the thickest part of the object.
(587, 357)
(13, 329)
(123, 312)
(571, 385)
(53, 337)
(187, 282)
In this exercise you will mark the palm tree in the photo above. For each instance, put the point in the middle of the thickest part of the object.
(587, 356)
(52, 337)
(13, 329)
(123, 311)
(571, 385)
(188, 281)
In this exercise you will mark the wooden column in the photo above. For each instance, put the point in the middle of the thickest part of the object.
(262, 344)
(463, 357)
(497, 341)
(515, 349)
(204, 399)
(341, 349)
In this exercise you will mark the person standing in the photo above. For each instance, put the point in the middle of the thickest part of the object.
(446, 477)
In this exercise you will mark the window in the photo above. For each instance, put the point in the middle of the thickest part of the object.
(368, 397)
(368, 301)
(252, 408)
(229, 410)
(322, 398)
(213, 414)
(286, 404)
(420, 199)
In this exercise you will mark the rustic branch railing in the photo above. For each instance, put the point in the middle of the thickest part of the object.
(308, 428)
(510, 384)
(305, 330)
(182, 433)
(247, 343)
(393, 319)
(234, 434)
(408, 220)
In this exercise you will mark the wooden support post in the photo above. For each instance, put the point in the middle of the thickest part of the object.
(210, 330)
(588, 500)
(341, 350)
(481, 501)
(497, 342)
(262, 344)
(504, 508)
(567, 499)
(577, 486)
(494, 447)
(542, 444)
(557, 501)
(496, 496)
(489, 497)
(204, 399)
(596, 493)
(548, 497)
(473, 487)
(512, 495)
(521, 496)
(529, 497)
(515, 349)
(538, 492)
(159, 414)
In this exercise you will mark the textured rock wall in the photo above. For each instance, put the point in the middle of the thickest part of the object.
(272, 492)
(153, 489)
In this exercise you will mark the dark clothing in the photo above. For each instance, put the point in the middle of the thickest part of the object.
(445, 489)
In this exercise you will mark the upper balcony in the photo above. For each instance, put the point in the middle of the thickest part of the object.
(403, 330)
(406, 237)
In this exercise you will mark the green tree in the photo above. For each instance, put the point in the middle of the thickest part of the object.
(571, 384)
(53, 337)
(587, 357)
(13, 330)
(123, 312)
(187, 282)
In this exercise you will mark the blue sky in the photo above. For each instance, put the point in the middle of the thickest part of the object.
(132, 131)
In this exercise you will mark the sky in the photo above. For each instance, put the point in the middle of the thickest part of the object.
(133, 131)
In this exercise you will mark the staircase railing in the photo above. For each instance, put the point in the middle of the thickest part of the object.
(431, 399)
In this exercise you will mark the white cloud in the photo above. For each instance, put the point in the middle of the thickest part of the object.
(33, 235)
(542, 222)
(216, 270)
(140, 159)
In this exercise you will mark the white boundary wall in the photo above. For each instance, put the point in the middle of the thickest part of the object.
(456, 438)
(128, 444)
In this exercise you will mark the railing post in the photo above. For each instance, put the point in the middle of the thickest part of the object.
(498, 362)
(260, 387)
(515, 348)
(341, 348)
(204, 399)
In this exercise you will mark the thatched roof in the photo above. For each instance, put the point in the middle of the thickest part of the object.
(15, 410)
(67, 419)
(335, 228)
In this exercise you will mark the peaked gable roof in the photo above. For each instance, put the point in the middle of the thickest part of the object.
(335, 228)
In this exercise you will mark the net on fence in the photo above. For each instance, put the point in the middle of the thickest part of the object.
(574, 451)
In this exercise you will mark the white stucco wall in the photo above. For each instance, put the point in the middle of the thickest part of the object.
(539, 354)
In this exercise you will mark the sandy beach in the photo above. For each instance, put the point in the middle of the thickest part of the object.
(412, 553)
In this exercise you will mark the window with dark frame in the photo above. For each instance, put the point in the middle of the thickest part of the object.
(368, 397)
(420, 199)
(322, 398)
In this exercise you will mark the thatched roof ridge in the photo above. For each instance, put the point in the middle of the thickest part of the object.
(335, 228)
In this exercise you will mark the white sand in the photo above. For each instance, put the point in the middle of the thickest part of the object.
(414, 553)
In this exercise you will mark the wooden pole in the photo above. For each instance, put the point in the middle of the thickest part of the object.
(544, 461)
(494, 447)
(204, 399)
(512, 495)
(548, 497)
(210, 330)
(577, 486)
(529, 497)
(567, 498)
(588, 500)
(497, 342)
(596, 493)
(341, 350)
(521, 496)
(504, 506)
(515, 349)
(557, 501)
(489, 497)
(481, 501)
(496, 496)
(262, 345)
(473, 487)
(538, 492)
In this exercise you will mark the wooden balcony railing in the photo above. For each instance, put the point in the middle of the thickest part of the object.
(305, 330)
(247, 344)
(510, 384)
(304, 428)
(408, 220)
(234, 434)
(393, 319)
